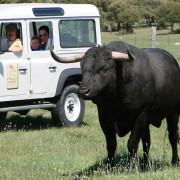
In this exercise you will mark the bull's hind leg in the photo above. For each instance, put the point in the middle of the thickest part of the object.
(172, 125)
(146, 141)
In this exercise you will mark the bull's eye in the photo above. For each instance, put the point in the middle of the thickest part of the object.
(105, 68)
(102, 69)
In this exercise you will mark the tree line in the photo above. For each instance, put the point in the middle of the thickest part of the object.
(122, 15)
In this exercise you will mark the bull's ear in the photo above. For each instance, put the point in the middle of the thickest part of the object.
(119, 56)
(97, 45)
(130, 55)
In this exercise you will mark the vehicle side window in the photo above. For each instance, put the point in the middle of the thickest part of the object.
(41, 32)
(77, 33)
(11, 37)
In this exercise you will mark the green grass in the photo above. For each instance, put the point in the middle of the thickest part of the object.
(33, 149)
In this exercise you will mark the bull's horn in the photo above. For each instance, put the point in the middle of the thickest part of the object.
(71, 59)
(122, 56)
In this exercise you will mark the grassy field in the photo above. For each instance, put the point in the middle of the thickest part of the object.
(142, 38)
(31, 149)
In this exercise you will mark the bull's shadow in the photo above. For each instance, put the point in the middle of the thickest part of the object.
(122, 166)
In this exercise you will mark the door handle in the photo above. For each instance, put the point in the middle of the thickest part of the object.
(52, 68)
(22, 70)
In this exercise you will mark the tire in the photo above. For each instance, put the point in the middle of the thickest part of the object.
(3, 117)
(69, 110)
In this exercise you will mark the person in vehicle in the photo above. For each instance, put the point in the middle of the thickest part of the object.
(36, 43)
(15, 44)
(44, 35)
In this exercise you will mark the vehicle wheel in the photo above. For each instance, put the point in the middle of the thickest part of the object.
(3, 117)
(69, 109)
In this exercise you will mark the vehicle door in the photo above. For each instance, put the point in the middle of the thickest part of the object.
(43, 68)
(14, 66)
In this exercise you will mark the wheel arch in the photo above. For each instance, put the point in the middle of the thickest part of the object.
(68, 76)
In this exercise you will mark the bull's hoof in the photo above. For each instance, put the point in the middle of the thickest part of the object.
(110, 163)
(108, 167)
(134, 165)
(176, 162)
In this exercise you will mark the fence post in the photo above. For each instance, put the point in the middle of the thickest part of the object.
(153, 37)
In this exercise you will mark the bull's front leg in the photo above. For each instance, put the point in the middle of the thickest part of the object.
(135, 136)
(109, 132)
(111, 144)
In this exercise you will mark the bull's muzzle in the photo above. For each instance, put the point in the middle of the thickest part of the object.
(84, 92)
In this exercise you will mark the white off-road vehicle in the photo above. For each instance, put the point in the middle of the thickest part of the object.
(32, 79)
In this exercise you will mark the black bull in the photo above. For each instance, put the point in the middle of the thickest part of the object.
(132, 90)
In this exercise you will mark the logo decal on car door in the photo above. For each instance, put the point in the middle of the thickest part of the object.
(12, 76)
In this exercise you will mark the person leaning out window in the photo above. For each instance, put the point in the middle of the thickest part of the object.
(15, 44)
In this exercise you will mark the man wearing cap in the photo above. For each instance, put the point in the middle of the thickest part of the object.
(15, 44)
